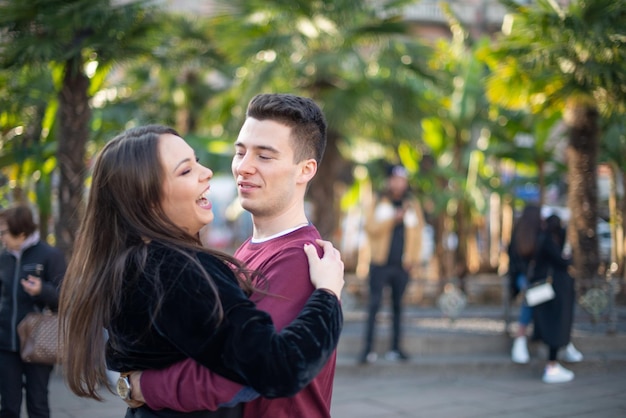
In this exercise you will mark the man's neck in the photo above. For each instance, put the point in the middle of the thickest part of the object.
(264, 227)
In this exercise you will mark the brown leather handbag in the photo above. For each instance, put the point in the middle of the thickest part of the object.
(39, 338)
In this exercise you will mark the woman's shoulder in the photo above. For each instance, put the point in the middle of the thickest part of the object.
(167, 258)
(186, 260)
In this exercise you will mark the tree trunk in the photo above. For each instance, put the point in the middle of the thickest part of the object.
(621, 254)
(582, 151)
(74, 116)
(615, 217)
(43, 191)
(541, 168)
(326, 209)
(441, 250)
(460, 263)
(462, 219)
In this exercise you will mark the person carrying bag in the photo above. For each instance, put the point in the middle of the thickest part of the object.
(30, 274)
(553, 319)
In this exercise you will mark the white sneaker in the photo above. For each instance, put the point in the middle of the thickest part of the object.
(557, 374)
(368, 358)
(396, 355)
(571, 354)
(519, 353)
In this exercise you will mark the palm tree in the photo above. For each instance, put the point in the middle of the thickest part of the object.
(346, 55)
(176, 83)
(573, 59)
(73, 37)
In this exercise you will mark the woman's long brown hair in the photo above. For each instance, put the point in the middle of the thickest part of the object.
(527, 230)
(122, 214)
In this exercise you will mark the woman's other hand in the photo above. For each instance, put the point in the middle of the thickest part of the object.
(326, 272)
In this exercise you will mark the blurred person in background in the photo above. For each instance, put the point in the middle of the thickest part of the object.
(553, 319)
(521, 251)
(30, 274)
(522, 259)
(394, 225)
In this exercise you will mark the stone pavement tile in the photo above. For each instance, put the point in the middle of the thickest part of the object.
(596, 392)
(508, 414)
(616, 412)
(612, 409)
(454, 409)
(568, 408)
(600, 384)
(362, 409)
(576, 398)
(64, 404)
(518, 394)
(374, 396)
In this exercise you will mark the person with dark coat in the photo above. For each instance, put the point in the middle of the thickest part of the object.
(521, 250)
(30, 274)
(553, 319)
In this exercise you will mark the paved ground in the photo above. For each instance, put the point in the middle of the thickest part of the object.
(596, 392)
(458, 368)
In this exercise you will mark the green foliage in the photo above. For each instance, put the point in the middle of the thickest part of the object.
(613, 144)
(44, 31)
(386, 94)
(27, 140)
(60, 44)
(348, 55)
(550, 52)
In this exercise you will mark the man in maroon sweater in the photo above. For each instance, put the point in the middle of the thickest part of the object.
(277, 153)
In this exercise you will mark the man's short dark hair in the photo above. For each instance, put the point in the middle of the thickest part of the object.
(301, 114)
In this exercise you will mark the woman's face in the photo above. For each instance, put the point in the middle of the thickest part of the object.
(186, 187)
(8, 240)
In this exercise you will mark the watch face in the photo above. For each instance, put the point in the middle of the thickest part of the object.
(123, 387)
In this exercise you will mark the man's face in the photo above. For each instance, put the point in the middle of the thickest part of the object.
(267, 177)
(397, 185)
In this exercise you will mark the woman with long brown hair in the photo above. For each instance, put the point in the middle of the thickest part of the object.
(140, 272)
(521, 252)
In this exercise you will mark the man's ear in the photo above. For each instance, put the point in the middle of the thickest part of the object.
(308, 169)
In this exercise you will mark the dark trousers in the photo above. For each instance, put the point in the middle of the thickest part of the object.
(145, 412)
(396, 278)
(15, 375)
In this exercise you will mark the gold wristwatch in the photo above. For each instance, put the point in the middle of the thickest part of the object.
(123, 386)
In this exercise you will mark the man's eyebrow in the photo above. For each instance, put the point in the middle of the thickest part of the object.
(259, 147)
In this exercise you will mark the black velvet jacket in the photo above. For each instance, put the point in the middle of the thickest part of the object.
(244, 347)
